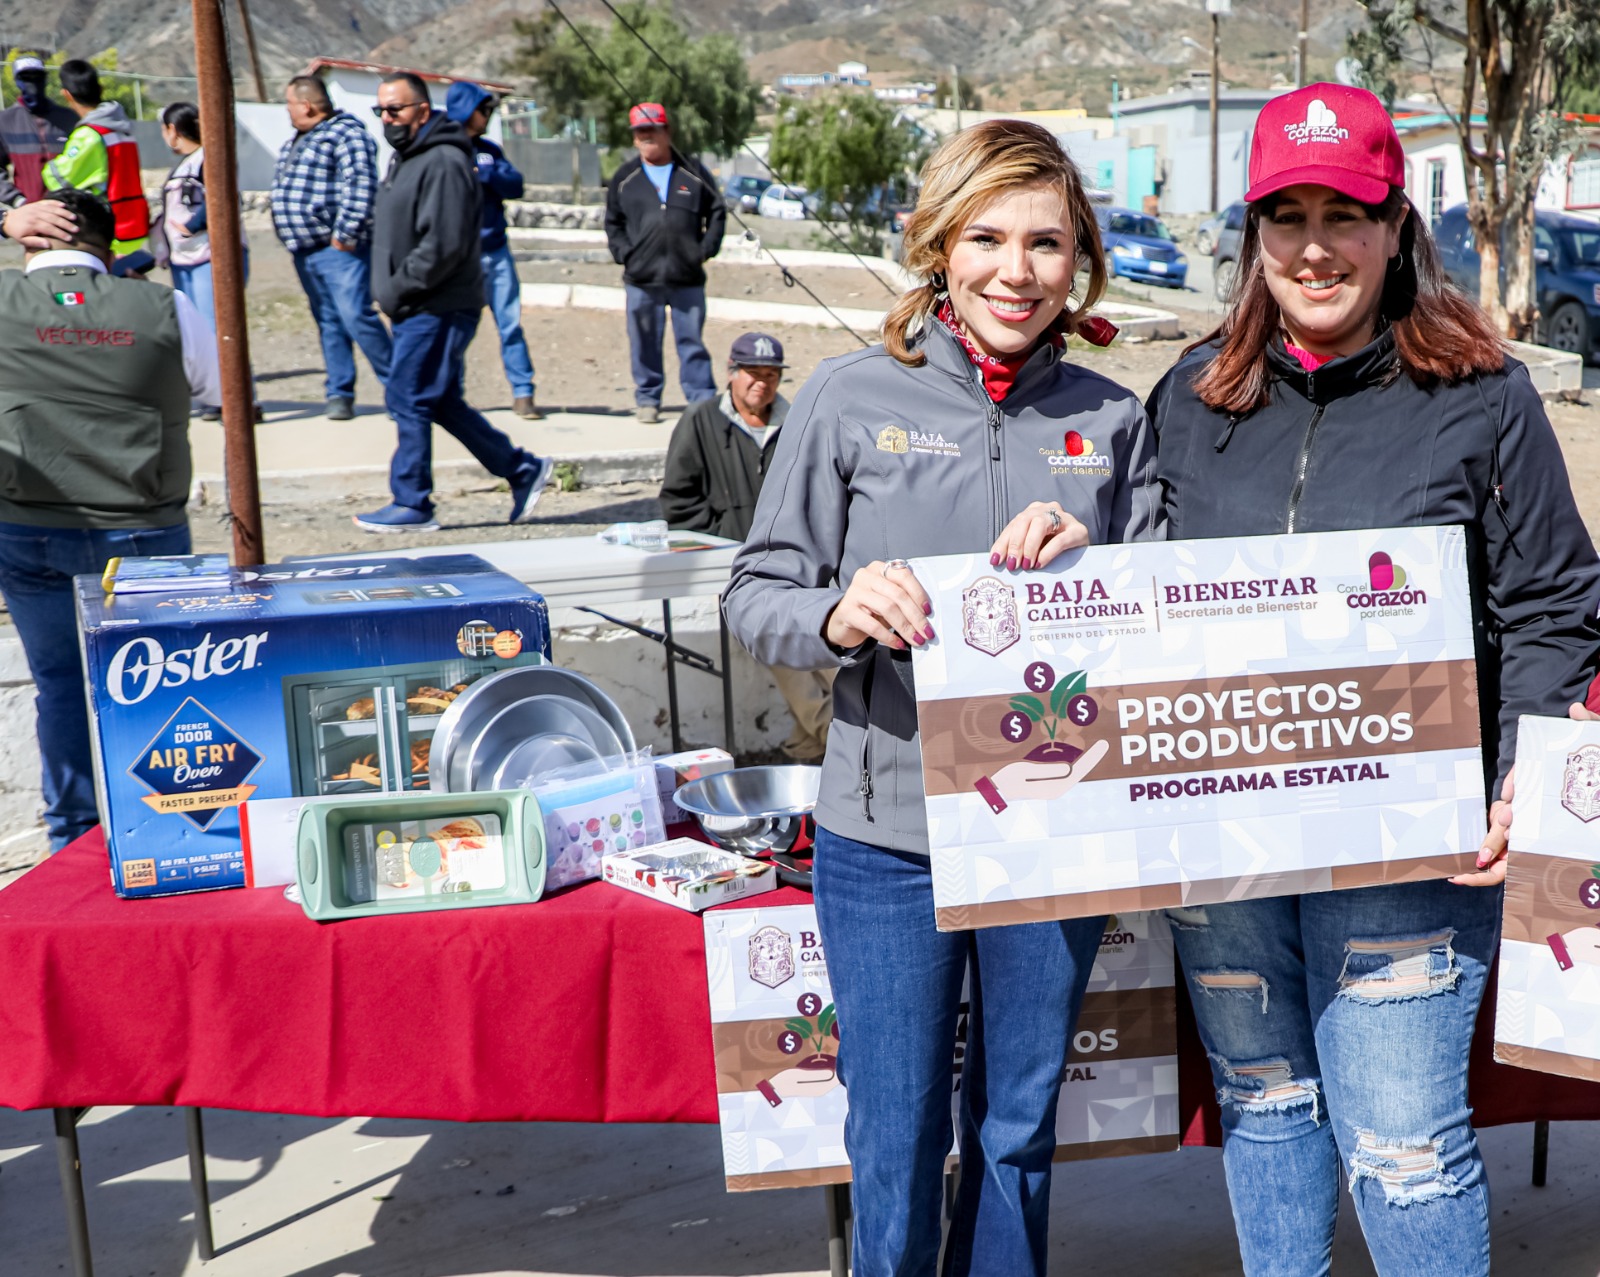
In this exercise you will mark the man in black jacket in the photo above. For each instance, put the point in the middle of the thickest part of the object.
(664, 220)
(718, 457)
(427, 277)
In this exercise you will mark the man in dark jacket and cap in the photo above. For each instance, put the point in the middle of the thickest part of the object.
(470, 105)
(33, 131)
(427, 277)
(664, 221)
(716, 462)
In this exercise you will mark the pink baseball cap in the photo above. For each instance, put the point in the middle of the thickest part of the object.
(647, 115)
(1331, 134)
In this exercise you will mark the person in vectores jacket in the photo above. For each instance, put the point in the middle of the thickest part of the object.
(974, 357)
(94, 456)
(1351, 387)
(664, 221)
(33, 129)
(101, 156)
(716, 463)
(427, 277)
(471, 105)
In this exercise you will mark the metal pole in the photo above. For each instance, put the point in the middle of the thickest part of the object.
(1541, 1151)
(672, 676)
(836, 1202)
(1216, 40)
(138, 100)
(250, 46)
(70, 1166)
(1305, 36)
(227, 272)
(955, 92)
(205, 1245)
(727, 683)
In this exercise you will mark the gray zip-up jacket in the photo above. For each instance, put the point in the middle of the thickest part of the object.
(881, 461)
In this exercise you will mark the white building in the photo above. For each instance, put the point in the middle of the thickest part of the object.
(1436, 175)
(263, 127)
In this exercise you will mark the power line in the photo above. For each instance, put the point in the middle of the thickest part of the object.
(790, 279)
(760, 159)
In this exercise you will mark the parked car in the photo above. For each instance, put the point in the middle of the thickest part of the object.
(1205, 235)
(744, 193)
(788, 203)
(1566, 254)
(1226, 252)
(1137, 246)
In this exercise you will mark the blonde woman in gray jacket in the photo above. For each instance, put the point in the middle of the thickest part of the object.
(938, 442)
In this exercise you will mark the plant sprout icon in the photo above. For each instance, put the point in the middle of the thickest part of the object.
(1051, 768)
(818, 1073)
(1067, 689)
(798, 1031)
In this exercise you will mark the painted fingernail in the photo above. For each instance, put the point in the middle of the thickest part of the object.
(994, 560)
(1011, 563)
(1025, 564)
(930, 634)
(927, 609)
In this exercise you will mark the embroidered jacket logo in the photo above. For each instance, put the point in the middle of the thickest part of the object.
(1320, 125)
(1078, 455)
(893, 439)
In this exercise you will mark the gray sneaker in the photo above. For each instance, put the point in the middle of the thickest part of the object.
(648, 414)
(341, 410)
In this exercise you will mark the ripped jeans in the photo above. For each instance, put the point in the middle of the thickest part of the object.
(1338, 1026)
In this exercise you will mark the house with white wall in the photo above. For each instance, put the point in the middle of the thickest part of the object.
(1436, 175)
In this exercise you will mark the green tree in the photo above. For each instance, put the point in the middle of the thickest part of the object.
(115, 88)
(712, 108)
(845, 148)
(1505, 63)
(944, 93)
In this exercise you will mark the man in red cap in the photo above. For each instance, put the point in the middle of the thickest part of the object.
(664, 220)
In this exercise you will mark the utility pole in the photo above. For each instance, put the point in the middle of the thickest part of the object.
(955, 92)
(227, 271)
(1305, 37)
(250, 45)
(1216, 8)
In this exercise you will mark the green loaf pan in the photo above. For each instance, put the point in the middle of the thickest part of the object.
(361, 856)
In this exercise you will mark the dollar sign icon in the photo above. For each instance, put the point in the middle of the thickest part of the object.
(1589, 893)
(1083, 710)
(789, 1042)
(1015, 726)
(1039, 677)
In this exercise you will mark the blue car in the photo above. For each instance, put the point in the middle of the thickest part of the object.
(1566, 254)
(1138, 246)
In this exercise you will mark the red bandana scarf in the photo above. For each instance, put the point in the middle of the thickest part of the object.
(999, 375)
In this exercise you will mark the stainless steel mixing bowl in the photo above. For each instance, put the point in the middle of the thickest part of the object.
(753, 809)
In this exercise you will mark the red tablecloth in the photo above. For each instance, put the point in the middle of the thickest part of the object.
(589, 1006)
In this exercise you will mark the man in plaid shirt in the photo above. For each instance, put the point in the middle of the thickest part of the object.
(322, 197)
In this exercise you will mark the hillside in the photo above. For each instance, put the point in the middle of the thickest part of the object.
(1041, 52)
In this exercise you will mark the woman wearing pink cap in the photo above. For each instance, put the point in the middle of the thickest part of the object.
(1351, 387)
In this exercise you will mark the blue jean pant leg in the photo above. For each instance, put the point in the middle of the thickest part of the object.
(1395, 988)
(339, 287)
(646, 318)
(504, 291)
(36, 570)
(1027, 989)
(896, 985)
(1339, 1026)
(429, 356)
(194, 282)
(695, 376)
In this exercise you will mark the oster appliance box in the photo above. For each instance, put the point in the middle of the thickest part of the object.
(305, 679)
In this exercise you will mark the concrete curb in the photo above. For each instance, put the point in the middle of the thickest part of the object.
(368, 483)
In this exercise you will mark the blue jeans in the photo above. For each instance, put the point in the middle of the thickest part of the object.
(504, 290)
(425, 387)
(1338, 1026)
(897, 989)
(36, 570)
(647, 327)
(194, 282)
(339, 287)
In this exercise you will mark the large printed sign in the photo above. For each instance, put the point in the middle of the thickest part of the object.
(1548, 1014)
(1144, 726)
(781, 1103)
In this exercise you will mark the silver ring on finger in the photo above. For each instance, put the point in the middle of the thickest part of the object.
(894, 563)
(1055, 520)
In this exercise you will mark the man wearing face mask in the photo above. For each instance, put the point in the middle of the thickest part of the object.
(33, 131)
(427, 277)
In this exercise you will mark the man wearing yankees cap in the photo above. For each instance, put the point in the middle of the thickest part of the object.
(664, 220)
(718, 457)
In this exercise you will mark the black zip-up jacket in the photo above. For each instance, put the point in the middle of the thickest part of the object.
(664, 245)
(425, 226)
(1358, 444)
(713, 474)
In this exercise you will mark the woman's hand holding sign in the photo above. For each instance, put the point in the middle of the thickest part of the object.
(884, 602)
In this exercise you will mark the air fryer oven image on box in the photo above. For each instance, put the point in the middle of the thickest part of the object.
(300, 680)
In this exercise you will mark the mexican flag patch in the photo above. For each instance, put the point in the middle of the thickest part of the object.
(69, 299)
